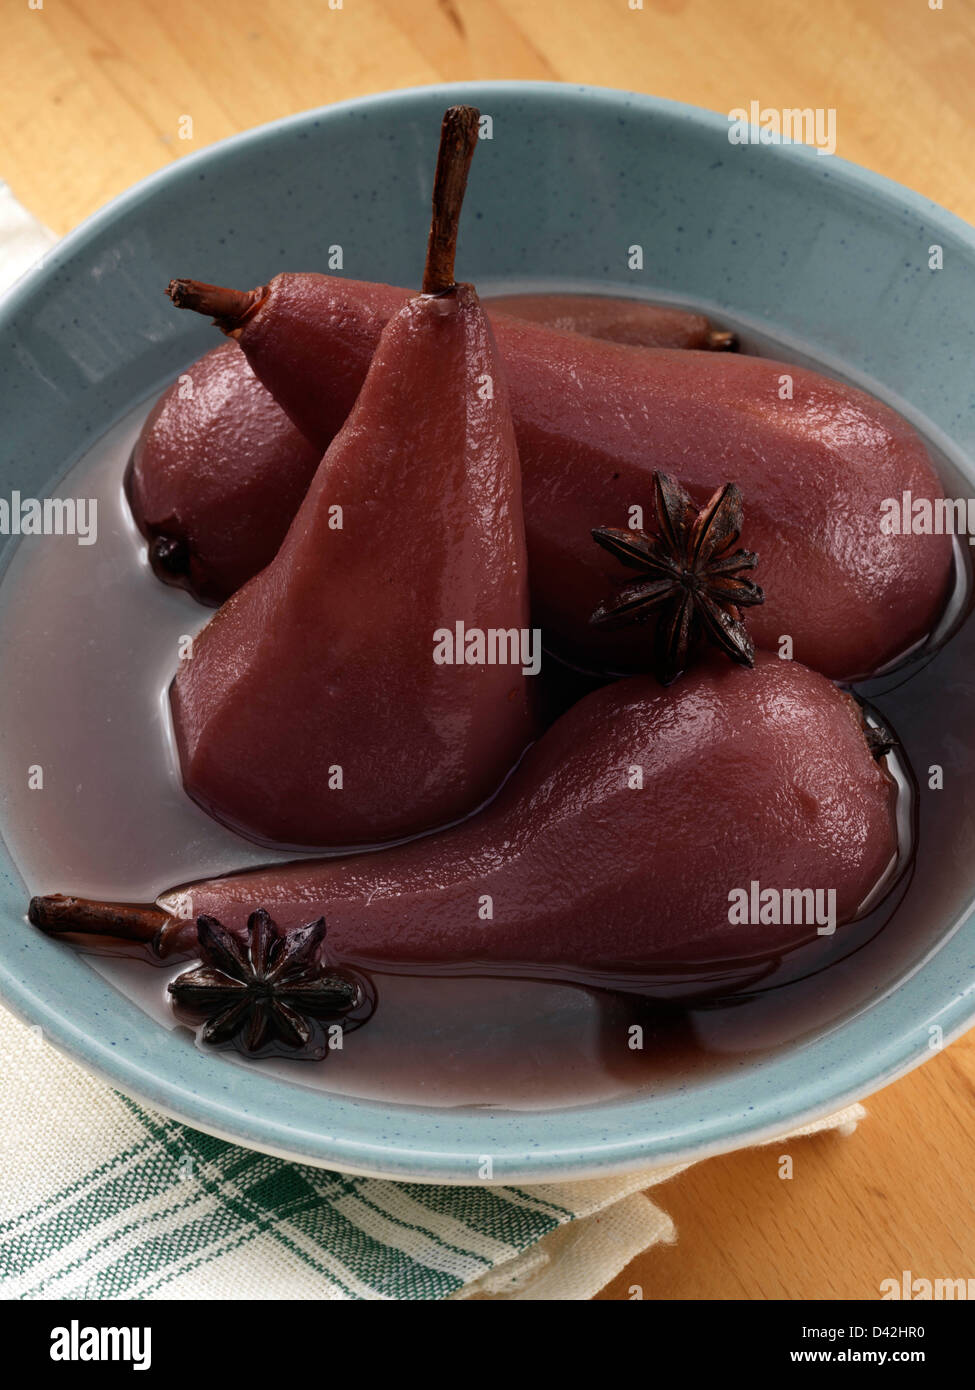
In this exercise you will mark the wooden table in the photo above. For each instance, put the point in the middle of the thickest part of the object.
(92, 94)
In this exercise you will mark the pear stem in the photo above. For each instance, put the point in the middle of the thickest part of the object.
(458, 141)
(229, 309)
(60, 914)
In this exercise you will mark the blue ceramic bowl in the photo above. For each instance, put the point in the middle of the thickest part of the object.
(827, 257)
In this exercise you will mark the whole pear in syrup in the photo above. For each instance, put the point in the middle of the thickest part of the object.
(322, 705)
(217, 475)
(610, 855)
(219, 470)
(815, 459)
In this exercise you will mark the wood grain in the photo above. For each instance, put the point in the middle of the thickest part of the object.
(94, 95)
(92, 92)
(895, 1195)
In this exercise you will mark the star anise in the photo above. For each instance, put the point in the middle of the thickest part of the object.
(692, 577)
(273, 989)
(880, 739)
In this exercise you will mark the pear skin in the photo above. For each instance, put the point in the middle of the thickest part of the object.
(611, 853)
(631, 321)
(815, 459)
(217, 475)
(313, 711)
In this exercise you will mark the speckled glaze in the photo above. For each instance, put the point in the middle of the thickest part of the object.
(830, 259)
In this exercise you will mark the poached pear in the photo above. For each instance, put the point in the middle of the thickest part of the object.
(217, 475)
(816, 461)
(616, 852)
(632, 321)
(325, 704)
(219, 470)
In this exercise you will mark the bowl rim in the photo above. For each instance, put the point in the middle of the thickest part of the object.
(442, 1146)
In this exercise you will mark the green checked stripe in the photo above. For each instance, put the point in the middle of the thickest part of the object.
(175, 1201)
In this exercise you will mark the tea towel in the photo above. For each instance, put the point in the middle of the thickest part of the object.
(100, 1198)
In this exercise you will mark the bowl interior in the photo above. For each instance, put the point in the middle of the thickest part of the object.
(831, 261)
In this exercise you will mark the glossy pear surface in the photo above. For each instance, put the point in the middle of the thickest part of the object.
(630, 321)
(312, 712)
(815, 460)
(612, 849)
(219, 469)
